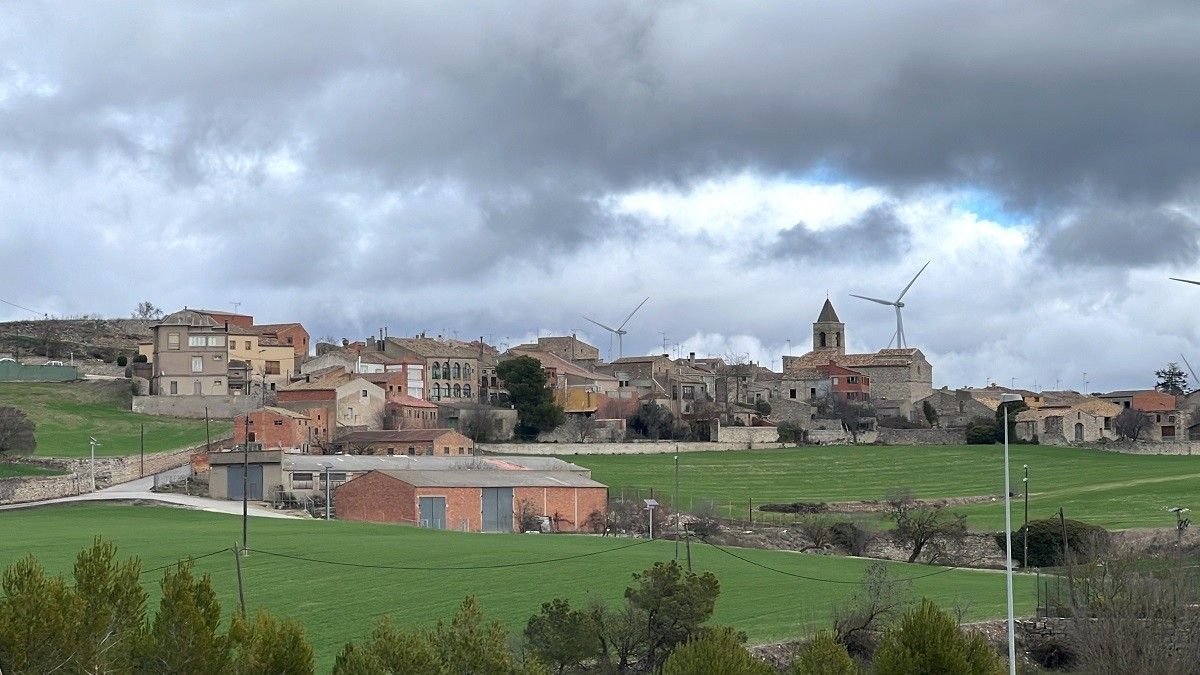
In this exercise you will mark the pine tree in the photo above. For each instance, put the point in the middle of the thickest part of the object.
(113, 621)
(38, 618)
(269, 646)
(824, 656)
(719, 650)
(926, 640)
(183, 638)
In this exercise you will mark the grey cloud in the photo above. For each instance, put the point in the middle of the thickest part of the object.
(876, 234)
(1125, 236)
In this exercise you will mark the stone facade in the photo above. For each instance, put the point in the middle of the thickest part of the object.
(955, 409)
(625, 448)
(748, 437)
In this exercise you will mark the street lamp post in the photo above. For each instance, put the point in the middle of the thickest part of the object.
(1025, 527)
(94, 443)
(1008, 576)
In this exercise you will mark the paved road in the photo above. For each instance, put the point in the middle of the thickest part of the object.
(139, 490)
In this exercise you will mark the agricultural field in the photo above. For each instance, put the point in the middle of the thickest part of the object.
(339, 603)
(1109, 489)
(67, 414)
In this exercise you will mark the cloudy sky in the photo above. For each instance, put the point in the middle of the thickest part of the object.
(500, 169)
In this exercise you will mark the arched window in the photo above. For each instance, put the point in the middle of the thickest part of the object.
(446, 370)
(466, 391)
(457, 391)
(457, 371)
(466, 372)
(837, 339)
(435, 392)
(437, 371)
(822, 338)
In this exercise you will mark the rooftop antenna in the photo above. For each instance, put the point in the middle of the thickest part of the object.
(664, 339)
(1085, 382)
(619, 331)
(236, 305)
(898, 303)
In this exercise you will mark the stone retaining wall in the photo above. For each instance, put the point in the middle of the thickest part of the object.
(922, 436)
(1145, 447)
(109, 471)
(193, 407)
(627, 448)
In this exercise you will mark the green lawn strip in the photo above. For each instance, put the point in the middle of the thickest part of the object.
(67, 414)
(1110, 489)
(12, 470)
(338, 603)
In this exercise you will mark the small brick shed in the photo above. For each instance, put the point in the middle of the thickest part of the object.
(471, 500)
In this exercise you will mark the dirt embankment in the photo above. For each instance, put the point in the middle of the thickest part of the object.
(95, 339)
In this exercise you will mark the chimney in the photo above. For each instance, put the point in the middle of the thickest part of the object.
(226, 326)
(691, 357)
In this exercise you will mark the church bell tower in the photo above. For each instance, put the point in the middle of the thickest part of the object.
(829, 333)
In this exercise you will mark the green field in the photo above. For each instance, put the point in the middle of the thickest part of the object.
(9, 470)
(67, 414)
(338, 603)
(1109, 489)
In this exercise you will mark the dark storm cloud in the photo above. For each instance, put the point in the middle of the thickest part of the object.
(876, 234)
(1125, 236)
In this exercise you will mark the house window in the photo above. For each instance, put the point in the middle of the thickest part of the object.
(302, 481)
(391, 451)
(364, 393)
(289, 340)
(278, 423)
(457, 391)
(247, 344)
(174, 387)
(457, 371)
(173, 340)
(412, 450)
(271, 367)
(446, 370)
(466, 372)
(216, 341)
(197, 341)
(217, 383)
(435, 392)
(791, 393)
(197, 364)
(349, 413)
(218, 357)
(466, 391)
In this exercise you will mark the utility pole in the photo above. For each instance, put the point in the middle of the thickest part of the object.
(1025, 555)
(328, 494)
(142, 449)
(94, 443)
(237, 561)
(207, 432)
(678, 520)
(246, 487)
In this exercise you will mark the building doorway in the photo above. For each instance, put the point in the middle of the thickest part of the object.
(497, 509)
(433, 512)
(1079, 431)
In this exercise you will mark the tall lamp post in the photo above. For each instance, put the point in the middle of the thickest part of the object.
(1025, 526)
(1008, 576)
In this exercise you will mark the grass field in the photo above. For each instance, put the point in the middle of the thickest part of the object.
(1109, 489)
(9, 470)
(338, 603)
(67, 414)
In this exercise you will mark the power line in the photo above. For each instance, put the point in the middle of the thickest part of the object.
(832, 581)
(408, 568)
(13, 304)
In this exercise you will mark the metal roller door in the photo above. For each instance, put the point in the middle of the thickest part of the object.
(497, 509)
(254, 487)
(433, 512)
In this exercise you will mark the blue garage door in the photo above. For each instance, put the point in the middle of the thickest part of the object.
(254, 487)
(433, 512)
(497, 509)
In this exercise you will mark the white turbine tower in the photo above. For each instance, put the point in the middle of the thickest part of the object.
(898, 303)
(620, 331)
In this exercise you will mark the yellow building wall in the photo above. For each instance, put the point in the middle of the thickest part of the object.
(257, 355)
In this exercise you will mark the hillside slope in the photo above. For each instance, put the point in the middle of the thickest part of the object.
(97, 339)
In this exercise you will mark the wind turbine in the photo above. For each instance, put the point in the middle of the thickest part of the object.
(898, 303)
(1189, 367)
(1186, 281)
(620, 331)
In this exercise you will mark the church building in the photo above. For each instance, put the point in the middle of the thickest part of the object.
(898, 377)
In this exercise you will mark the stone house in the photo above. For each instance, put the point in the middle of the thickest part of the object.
(450, 368)
(955, 409)
(343, 401)
(568, 348)
(1169, 423)
(1060, 425)
(189, 353)
(410, 412)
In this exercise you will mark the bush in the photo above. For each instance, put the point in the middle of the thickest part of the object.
(1046, 541)
(122, 360)
(16, 432)
(926, 640)
(796, 507)
(790, 432)
(140, 358)
(851, 537)
(824, 656)
(981, 431)
(718, 650)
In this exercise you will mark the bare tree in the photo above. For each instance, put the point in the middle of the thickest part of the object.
(1130, 423)
(16, 432)
(817, 529)
(481, 426)
(580, 428)
(919, 527)
(862, 616)
(147, 310)
(1135, 615)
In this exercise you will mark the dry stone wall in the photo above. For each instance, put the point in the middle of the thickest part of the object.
(627, 448)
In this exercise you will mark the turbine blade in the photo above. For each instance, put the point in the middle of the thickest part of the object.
(889, 345)
(882, 302)
(1189, 367)
(914, 280)
(635, 309)
(611, 330)
(1186, 281)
